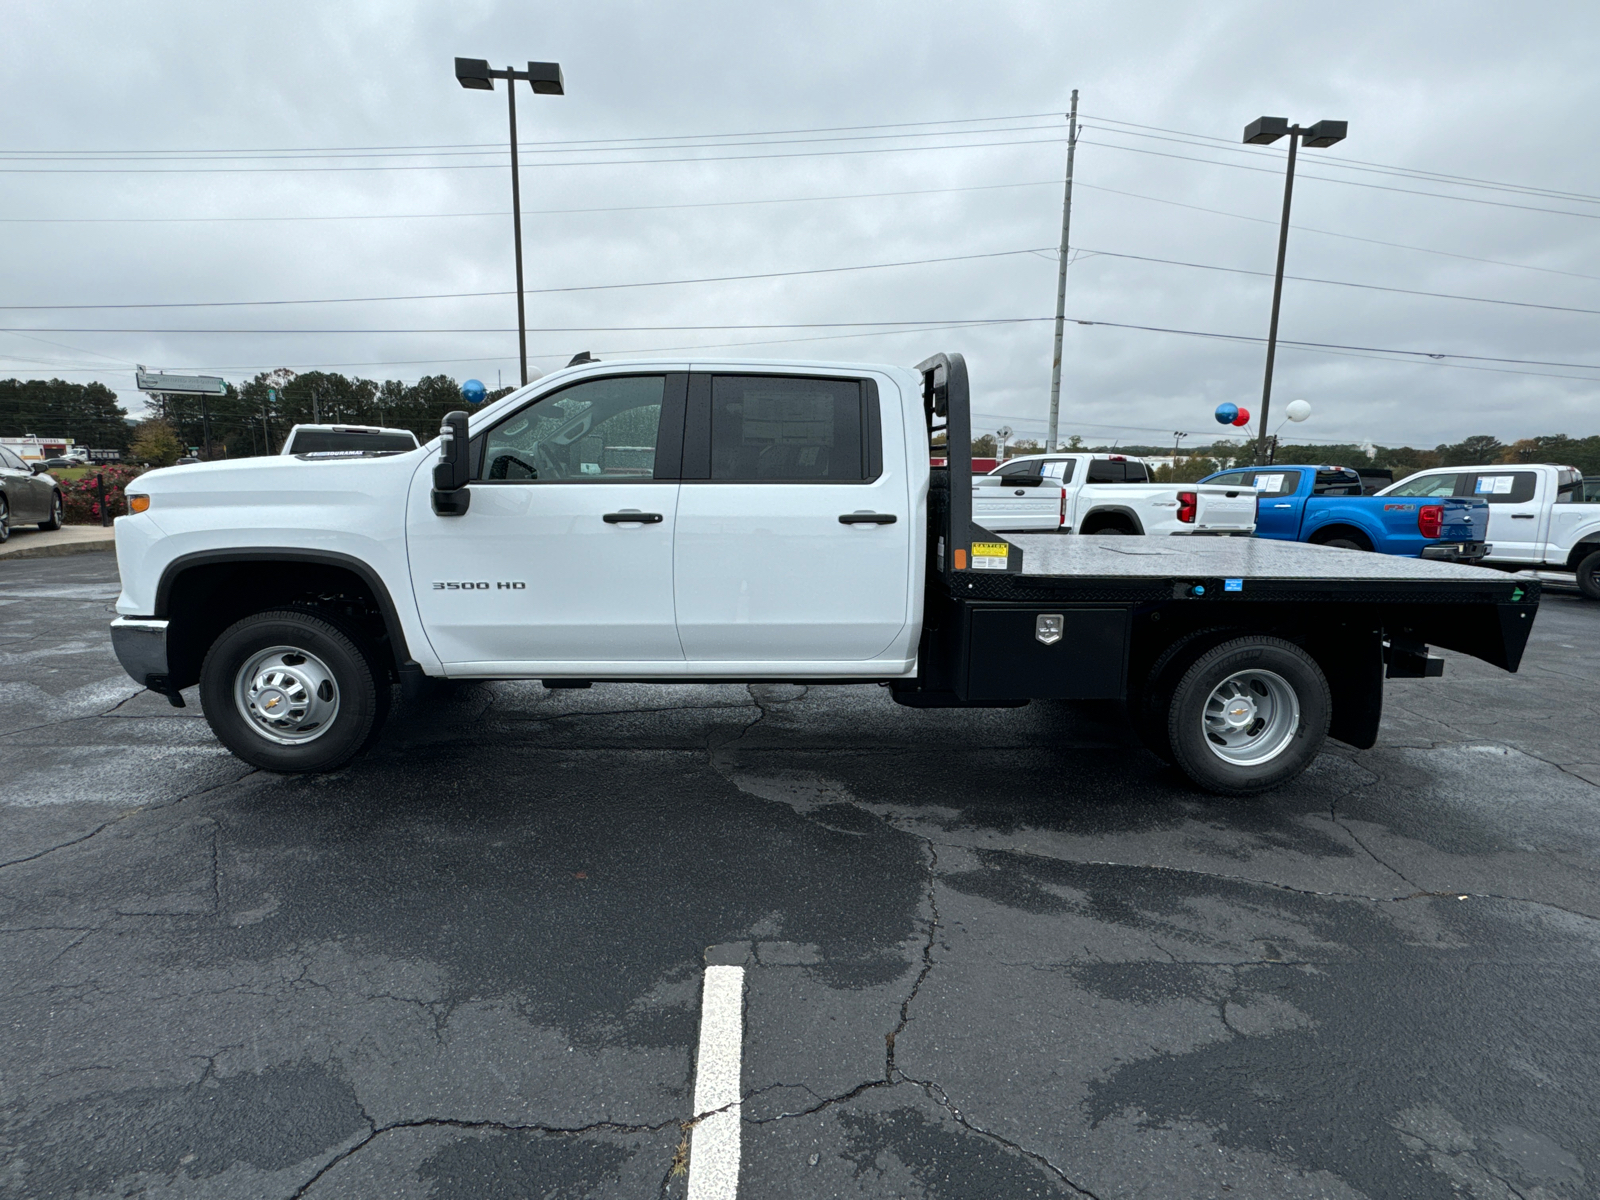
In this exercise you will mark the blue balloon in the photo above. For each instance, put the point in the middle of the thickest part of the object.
(474, 391)
(1226, 413)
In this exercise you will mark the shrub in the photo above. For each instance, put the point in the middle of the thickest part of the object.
(82, 499)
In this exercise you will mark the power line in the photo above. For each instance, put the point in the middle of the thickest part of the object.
(1495, 262)
(567, 148)
(1344, 162)
(663, 137)
(1373, 287)
(531, 212)
(1211, 162)
(590, 287)
(623, 162)
(1436, 355)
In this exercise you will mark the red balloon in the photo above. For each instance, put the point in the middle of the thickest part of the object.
(1243, 418)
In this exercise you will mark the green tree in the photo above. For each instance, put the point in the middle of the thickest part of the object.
(985, 446)
(88, 413)
(156, 442)
(1477, 451)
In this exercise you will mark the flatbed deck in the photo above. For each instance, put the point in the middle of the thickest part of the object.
(1106, 568)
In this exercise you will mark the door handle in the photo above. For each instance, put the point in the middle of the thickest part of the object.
(867, 518)
(632, 518)
(1522, 516)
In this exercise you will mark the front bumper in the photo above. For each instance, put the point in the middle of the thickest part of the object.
(141, 646)
(1467, 552)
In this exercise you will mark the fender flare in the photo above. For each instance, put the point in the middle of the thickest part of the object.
(1120, 509)
(327, 558)
(1344, 522)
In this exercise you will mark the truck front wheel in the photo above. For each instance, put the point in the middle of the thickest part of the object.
(1248, 715)
(289, 691)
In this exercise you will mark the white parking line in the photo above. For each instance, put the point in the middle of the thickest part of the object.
(714, 1144)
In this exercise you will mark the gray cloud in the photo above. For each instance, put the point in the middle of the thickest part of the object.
(1470, 89)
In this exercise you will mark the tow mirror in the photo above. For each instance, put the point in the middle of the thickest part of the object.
(451, 496)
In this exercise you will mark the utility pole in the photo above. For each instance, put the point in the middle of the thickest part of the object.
(1177, 436)
(1061, 281)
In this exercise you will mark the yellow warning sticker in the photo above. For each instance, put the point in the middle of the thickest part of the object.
(989, 556)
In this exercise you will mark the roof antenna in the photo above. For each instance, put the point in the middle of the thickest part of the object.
(581, 357)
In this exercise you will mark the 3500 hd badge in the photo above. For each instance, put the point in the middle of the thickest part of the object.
(515, 585)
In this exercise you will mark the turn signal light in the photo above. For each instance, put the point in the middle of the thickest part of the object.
(138, 503)
(1430, 520)
(1187, 503)
(1063, 522)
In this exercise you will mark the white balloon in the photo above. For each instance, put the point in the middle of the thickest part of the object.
(1297, 410)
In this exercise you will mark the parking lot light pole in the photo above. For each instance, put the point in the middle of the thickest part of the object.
(1263, 132)
(546, 80)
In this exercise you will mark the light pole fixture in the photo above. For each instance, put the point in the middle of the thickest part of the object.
(545, 79)
(1263, 132)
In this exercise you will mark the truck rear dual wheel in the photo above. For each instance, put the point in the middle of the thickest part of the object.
(1248, 715)
(290, 691)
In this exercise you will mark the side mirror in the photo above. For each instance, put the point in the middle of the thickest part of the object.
(37, 468)
(451, 496)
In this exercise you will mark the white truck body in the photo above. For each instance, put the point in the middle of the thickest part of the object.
(1538, 515)
(1070, 499)
(688, 521)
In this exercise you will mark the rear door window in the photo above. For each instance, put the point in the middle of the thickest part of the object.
(1501, 487)
(777, 429)
(1231, 479)
(1274, 483)
(1426, 486)
(1060, 468)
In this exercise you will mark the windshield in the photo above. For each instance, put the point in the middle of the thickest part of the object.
(317, 441)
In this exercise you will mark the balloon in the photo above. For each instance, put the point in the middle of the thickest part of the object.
(1243, 418)
(1226, 413)
(474, 391)
(1297, 410)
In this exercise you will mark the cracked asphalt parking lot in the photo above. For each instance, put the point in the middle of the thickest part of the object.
(986, 954)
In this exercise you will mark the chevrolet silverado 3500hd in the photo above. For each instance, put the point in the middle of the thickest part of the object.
(726, 521)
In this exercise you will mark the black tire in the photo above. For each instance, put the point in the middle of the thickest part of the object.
(1344, 543)
(57, 516)
(359, 692)
(5, 520)
(1296, 729)
(1589, 576)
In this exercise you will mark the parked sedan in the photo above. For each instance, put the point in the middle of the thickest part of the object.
(26, 498)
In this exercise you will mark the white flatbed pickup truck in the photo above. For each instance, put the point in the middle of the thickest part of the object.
(1105, 494)
(1540, 517)
(720, 521)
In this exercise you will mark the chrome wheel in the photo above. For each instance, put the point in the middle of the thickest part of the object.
(287, 695)
(1250, 717)
(5, 519)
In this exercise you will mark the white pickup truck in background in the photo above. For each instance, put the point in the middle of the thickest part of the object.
(1088, 493)
(1538, 516)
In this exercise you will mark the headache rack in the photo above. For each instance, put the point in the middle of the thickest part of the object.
(957, 547)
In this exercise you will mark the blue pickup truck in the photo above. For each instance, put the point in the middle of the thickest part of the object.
(1325, 505)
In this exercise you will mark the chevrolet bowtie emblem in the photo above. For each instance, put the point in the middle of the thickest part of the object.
(273, 703)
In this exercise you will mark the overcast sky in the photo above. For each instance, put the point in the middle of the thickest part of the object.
(1490, 92)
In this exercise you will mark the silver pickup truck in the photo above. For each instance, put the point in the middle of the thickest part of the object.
(1088, 493)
